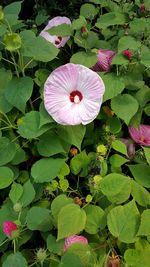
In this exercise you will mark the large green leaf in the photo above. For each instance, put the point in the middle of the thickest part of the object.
(46, 145)
(5, 77)
(145, 225)
(141, 173)
(46, 170)
(70, 259)
(71, 220)
(15, 192)
(123, 222)
(145, 56)
(28, 194)
(128, 42)
(113, 186)
(29, 125)
(59, 202)
(125, 106)
(37, 47)
(62, 29)
(15, 260)
(7, 150)
(119, 146)
(39, 219)
(6, 177)
(87, 59)
(18, 92)
(53, 245)
(114, 85)
(73, 135)
(140, 194)
(96, 219)
(110, 19)
(88, 11)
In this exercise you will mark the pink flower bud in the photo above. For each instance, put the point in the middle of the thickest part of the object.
(140, 135)
(9, 227)
(127, 53)
(104, 59)
(74, 239)
(130, 147)
(142, 8)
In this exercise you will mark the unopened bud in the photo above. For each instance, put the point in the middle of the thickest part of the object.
(101, 149)
(41, 255)
(17, 207)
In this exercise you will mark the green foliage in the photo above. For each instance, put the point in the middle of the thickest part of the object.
(16, 259)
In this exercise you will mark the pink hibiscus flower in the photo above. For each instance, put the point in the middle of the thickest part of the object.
(104, 59)
(58, 41)
(9, 227)
(73, 94)
(140, 135)
(74, 239)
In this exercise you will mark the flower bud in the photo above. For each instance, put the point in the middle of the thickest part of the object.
(73, 151)
(142, 8)
(12, 41)
(128, 54)
(101, 149)
(17, 207)
(9, 227)
(41, 255)
(74, 239)
(84, 32)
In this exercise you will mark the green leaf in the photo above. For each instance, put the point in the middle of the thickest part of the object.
(110, 19)
(114, 85)
(39, 219)
(145, 226)
(54, 246)
(73, 135)
(80, 163)
(120, 147)
(123, 222)
(58, 203)
(116, 187)
(84, 252)
(114, 124)
(46, 145)
(138, 26)
(29, 125)
(7, 150)
(71, 220)
(141, 173)
(125, 106)
(147, 154)
(77, 24)
(28, 194)
(13, 8)
(46, 170)
(15, 260)
(143, 96)
(140, 194)
(15, 192)
(61, 30)
(20, 155)
(137, 258)
(88, 59)
(117, 160)
(70, 259)
(91, 40)
(88, 11)
(45, 118)
(37, 47)
(96, 219)
(19, 91)
(6, 177)
(128, 42)
(145, 56)
(5, 77)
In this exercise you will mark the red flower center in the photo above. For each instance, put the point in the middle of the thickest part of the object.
(76, 97)
(59, 39)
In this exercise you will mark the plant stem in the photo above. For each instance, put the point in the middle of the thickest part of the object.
(14, 243)
(15, 64)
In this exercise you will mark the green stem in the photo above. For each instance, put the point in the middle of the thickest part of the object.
(28, 63)
(7, 60)
(14, 243)
(21, 64)
(6, 240)
(15, 64)
(32, 107)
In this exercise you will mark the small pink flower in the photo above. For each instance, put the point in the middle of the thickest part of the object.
(127, 53)
(104, 59)
(140, 135)
(142, 8)
(9, 227)
(58, 41)
(73, 94)
(74, 239)
(130, 147)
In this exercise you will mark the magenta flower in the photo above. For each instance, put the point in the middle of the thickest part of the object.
(58, 41)
(140, 135)
(74, 239)
(128, 54)
(9, 227)
(130, 147)
(104, 59)
(73, 94)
